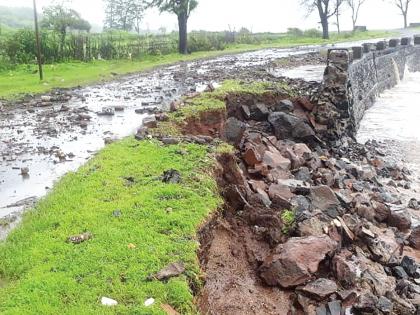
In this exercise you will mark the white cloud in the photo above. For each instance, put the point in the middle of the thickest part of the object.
(262, 15)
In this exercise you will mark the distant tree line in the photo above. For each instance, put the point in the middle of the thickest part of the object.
(329, 8)
(66, 35)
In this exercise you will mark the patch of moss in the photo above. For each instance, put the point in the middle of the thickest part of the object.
(215, 101)
(288, 218)
(224, 148)
(208, 101)
(256, 87)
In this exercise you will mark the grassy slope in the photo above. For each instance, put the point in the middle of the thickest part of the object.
(46, 275)
(22, 81)
(42, 274)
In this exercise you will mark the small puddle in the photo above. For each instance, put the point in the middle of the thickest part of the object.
(305, 72)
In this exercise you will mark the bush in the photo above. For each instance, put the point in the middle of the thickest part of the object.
(295, 32)
(205, 41)
(5, 63)
(312, 33)
(20, 46)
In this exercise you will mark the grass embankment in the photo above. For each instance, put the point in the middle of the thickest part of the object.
(44, 274)
(214, 102)
(23, 80)
(41, 273)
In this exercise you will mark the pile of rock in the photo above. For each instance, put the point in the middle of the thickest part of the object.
(349, 245)
(345, 252)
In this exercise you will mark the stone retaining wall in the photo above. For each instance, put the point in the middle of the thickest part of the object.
(355, 77)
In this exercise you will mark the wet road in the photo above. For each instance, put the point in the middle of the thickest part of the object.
(58, 138)
(53, 140)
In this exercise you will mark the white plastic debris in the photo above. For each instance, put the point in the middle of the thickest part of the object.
(149, 302)
(108, 302)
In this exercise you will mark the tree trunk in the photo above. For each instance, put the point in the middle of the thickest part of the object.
(183, 33)
(325, 31)
(62, 42)
(338, 23)
(405, 20)
(323, 15)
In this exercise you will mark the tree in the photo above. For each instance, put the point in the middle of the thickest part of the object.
(182, 9)
(60, 18)
(124, 14)
(402, 5)
(338, 4)
(355, 6)
(326, 9)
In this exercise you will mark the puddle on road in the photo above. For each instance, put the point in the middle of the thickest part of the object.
(306, 72)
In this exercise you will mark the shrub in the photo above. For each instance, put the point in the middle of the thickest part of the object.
(20, 46)
(288, 218)
(295, 32)
(312, 33)
(5, 63)
(205, 41)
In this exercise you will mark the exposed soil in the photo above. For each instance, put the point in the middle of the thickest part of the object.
(229, 252)
(232, 285)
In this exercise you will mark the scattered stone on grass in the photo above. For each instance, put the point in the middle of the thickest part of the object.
(77, 239)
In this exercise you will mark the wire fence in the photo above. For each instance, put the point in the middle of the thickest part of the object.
(19, 47)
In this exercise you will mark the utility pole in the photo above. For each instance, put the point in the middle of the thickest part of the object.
(38, 43)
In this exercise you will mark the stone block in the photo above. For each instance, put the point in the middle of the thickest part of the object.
(394, 42)
(357, 52)
(405, 41)
(381, 45)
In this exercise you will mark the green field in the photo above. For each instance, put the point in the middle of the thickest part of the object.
(24, 80)
(41, 273)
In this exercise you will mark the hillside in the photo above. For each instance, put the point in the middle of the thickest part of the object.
(16, 17)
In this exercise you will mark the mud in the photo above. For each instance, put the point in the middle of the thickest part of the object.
(228, 254)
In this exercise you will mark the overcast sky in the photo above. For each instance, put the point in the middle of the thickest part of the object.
(261, 15)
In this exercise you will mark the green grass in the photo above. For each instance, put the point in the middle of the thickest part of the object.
(23, 80)
(288, 218)
(215, 101)
(40, 273)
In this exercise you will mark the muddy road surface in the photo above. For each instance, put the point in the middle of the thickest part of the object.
(44, 137)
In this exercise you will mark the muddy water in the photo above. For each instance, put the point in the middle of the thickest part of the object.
(50, 141)
(395, 120)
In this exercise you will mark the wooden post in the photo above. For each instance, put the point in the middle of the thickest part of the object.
(38, 43)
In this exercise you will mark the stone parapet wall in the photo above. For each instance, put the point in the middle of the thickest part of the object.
(355, 77)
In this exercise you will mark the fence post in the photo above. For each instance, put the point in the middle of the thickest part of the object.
(38, 43)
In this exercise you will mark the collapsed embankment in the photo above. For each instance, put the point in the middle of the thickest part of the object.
(313, 223)
(307, 227)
